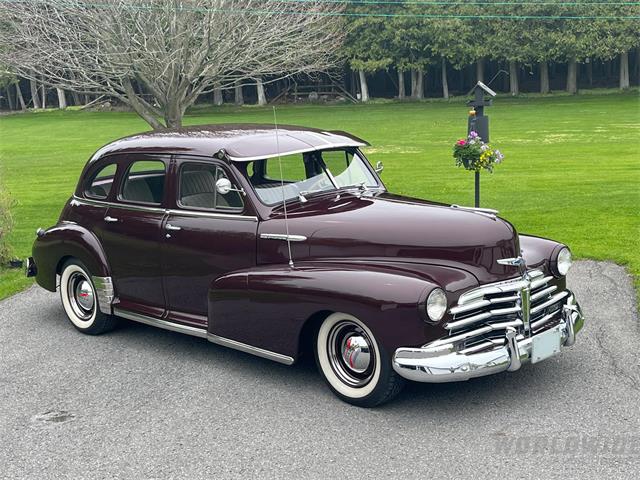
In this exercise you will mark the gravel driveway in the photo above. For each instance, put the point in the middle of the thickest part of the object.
(147, 403)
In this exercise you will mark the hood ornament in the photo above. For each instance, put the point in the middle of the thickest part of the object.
(518, 262)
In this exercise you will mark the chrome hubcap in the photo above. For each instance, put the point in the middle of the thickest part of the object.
(351, 353)
(81, 295)
(355, 353)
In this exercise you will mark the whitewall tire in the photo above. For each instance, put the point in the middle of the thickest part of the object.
(352, 362)
(80, 301)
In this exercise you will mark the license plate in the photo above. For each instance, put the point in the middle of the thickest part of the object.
(545, 345)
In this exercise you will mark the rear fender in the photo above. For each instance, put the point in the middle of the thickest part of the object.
(64, 241)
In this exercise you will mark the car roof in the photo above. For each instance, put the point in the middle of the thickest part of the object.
(241, 142)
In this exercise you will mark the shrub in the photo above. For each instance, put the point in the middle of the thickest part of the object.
(6, 223)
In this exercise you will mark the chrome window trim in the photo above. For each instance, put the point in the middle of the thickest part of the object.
(198, 213)
(190, 213)
(126, 206)
(294, 152)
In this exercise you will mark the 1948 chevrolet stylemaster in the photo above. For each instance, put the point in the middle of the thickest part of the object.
(280, 242)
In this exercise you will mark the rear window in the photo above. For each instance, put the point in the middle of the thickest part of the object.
(144, 182)
(100, 184)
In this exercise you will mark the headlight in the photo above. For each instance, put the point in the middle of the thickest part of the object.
(563, 262)
(436, 305)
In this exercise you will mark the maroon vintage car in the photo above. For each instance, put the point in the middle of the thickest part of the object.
(280, 242)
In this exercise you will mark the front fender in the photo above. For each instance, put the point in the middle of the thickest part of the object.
(267, 306)
(538, 252)
(67, 240)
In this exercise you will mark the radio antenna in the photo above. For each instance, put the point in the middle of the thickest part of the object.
(284, 200)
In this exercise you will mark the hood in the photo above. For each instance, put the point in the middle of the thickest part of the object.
(385, 227)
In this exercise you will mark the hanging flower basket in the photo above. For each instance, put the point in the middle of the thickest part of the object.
(473, 154)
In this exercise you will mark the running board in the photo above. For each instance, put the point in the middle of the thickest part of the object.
(202, 333)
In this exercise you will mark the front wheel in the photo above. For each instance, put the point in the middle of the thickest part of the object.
(354, 365)
(79, 300)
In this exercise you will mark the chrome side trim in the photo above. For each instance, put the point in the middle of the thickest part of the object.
(202, 333)
(283, 236)
(156, 322)
(243, 347)
(197, 213)
(104, 293)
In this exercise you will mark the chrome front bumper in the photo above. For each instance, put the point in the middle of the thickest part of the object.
(442, 364)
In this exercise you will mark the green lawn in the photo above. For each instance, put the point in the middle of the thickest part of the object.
(571, 172)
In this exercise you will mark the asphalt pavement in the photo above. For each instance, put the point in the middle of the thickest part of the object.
(146, 403)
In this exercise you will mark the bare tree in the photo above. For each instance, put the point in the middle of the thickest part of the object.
(158, 56)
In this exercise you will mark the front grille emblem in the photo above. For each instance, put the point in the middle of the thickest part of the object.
(525, 292)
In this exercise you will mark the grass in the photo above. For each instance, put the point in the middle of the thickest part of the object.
(571, 172)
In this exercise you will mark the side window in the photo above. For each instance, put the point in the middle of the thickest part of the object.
(100, 184)
(144, 182)
(198, 188)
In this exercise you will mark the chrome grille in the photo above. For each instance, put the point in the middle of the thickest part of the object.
(480, 319)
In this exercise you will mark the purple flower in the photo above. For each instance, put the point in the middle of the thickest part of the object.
(473, 134)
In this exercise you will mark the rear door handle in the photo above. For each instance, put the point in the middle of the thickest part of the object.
(172, 227)
(110, 219)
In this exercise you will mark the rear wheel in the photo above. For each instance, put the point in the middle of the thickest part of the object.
(352, 362)
(79, 300)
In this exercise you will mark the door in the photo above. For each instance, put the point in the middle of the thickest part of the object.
(206, 235)
(132, 231)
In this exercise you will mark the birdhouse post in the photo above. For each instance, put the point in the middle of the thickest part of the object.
(478, 122)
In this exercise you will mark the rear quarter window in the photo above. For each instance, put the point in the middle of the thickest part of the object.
(100, 183)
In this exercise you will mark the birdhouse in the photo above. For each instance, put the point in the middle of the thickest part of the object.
(478, 122)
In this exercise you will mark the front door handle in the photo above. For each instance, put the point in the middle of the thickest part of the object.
(172, 227)
(110, 219)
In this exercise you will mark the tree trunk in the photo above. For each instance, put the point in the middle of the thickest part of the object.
(262, 99)
(140, 108)
(239, 98)
(590, 73)
(44, 96)
(624, 70)
(418, 87)
(401, 92)
(544, 77)
(76, 98)
(217, 96)
(35, 96)
(513, 78)
(572, 76)
(364, 88)
(19, 96)
(62, 99)
(414, 80)
(9, 97)
(480, 70)
(445, 83)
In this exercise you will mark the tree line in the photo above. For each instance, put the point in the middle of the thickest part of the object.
(414, 38)
(161, 56)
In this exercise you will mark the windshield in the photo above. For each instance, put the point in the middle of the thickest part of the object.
(307, 174)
